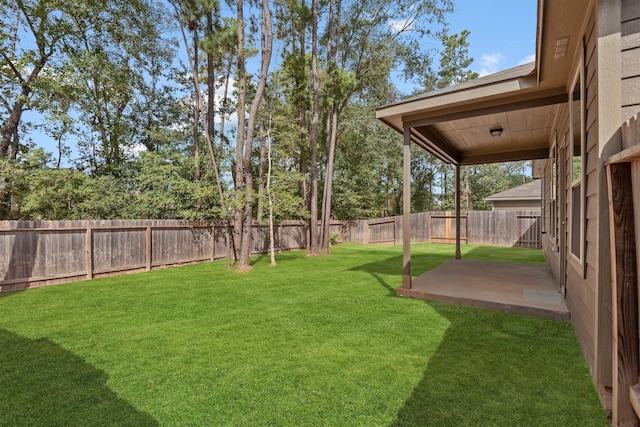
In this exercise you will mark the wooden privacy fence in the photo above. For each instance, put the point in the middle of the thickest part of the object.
(623, 179)
(502, 228)
(38, 253)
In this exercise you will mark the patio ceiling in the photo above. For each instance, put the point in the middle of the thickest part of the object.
(454, 123)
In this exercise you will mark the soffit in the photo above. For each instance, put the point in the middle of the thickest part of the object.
(454, 123)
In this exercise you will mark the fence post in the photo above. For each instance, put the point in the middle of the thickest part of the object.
(148, 249)
(366, 233)
(395, 239)
(213, 242)
(89, 252)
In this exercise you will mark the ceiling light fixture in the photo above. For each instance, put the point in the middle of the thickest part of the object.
(496, 132)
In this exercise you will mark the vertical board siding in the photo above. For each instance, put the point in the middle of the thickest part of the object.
(177, 245)
(623, 175)
(120, 249)
(630, 45)
(382, 231)
(291, 235)
(581, 289)
(220, 242)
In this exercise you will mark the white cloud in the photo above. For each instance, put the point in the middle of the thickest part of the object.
(133, 151)
(527, 59)
(219, 95)
(230, 120)
(490, 63)
(401, 25)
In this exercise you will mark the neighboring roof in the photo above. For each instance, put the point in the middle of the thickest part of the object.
(529, 191)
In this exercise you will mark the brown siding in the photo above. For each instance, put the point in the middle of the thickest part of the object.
(515, 205)
(630, 45)
(582, 277)
(549, 238)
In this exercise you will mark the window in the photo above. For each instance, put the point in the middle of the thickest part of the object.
(553, 205)
(577, 153)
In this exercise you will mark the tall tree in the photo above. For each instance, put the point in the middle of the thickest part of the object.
(333, 111)
(266, 48)
(377, 37)
(47, 26)
(313, 135)
(454, 62)
(241, 81)
(184, 17)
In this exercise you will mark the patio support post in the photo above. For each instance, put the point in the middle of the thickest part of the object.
(406, 210)
(458, 254)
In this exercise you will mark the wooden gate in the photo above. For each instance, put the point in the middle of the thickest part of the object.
(443, 228)
(528, 231)
(381, 231)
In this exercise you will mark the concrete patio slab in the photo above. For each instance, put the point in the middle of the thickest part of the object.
(513, 288)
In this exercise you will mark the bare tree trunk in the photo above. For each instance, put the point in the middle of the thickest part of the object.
(332, 137)
(60, 149)
(240, 136)
(231, 248)
(13, 122)
(328, 183)
(11, 128)
(211, 78)
(302, 123)
(193, 26)
(272, 249)
(315, 112)
(212, 157)
(267, 42)
(15, 146)
(261, 167)
(224, 99)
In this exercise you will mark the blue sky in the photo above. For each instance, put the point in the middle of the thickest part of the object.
(502, 36)
(503, 32)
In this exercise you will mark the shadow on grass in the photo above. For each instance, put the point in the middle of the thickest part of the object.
(281, 256)
(494, 368)
(10, 293)
(44, 384)
(392, 266)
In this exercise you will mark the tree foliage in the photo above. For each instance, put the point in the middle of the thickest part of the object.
(158, 110)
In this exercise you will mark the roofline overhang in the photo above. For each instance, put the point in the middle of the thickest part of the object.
(540, 16)
(518, 88)
(469, 107)
(518, 199)
(469, 93)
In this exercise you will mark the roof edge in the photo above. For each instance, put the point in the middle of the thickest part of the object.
(524, 71)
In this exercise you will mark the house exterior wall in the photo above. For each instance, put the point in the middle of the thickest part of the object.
(588, 280)
(550, 209)
(630, 48)
(581, 279)
(582, 282)
(516, 205)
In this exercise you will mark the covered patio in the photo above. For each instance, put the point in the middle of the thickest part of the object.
(512, 288)
(507, 116)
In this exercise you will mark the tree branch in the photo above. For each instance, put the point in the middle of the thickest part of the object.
(13, 68)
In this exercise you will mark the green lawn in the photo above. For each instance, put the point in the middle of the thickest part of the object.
(313, 341)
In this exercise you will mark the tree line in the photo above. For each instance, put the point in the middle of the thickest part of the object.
(237, 112)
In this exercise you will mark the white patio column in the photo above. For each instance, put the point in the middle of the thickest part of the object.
(458, 254)
(406, 210)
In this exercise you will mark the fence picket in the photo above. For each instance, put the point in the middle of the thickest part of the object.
(117, 247)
